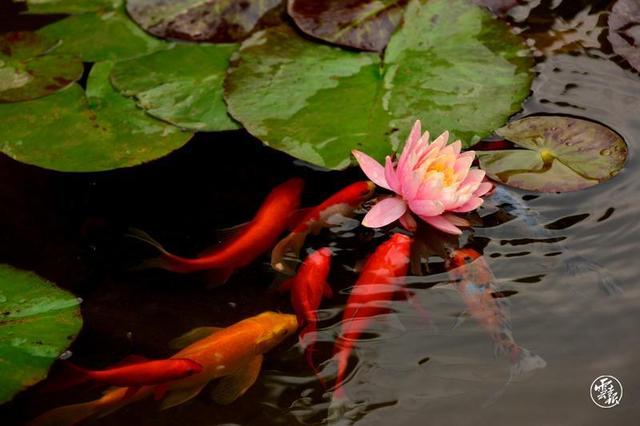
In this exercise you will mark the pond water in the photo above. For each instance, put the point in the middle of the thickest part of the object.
(70, 229)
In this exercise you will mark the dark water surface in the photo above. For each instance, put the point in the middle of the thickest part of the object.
(69, 228)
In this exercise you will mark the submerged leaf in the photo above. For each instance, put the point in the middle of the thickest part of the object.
(205, 20)
(624, 30)
(561, 154)
(71, 132)
(38, 321)
(362, 24)
(70, 6)
(95, 37)
(450, 64)
(182, 85)
(27, 71)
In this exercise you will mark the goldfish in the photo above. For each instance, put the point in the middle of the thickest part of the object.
(135, 373)
(574, 264)
(312, 220)
(474, 281)
(257, 237)
(378, 284)
(308, 287)
(232, 355)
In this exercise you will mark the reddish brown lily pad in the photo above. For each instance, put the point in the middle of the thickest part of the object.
(217, 21)
(27, 71)
(361, 24)
(560, 154)
(624, 30)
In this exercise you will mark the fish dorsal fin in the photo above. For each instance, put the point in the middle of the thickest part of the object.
(180, 396)
(230, 388)
(192, 336)
(223, 237)
(130, 360)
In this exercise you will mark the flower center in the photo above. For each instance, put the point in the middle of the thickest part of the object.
(444, 169)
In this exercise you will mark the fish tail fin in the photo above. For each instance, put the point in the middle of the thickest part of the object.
(164, 261)
(292, 243)
(308, 343)
(523, 361)
(578, 265)
(67, 415)
(67, 376)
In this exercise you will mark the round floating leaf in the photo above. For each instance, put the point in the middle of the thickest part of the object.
(450, 64)
(218, 21)
(95, 37)
(624, 30)
(362, 24)
(38, 321)
(70, 6)
(560, 154)
(71, 132)
(28, 72)
(182, 85)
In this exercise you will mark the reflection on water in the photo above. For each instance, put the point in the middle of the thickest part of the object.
(408, 370)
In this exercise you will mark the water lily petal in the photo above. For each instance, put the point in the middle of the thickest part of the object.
(483, 189)
(426, 207)
(441, 223)
(408, 222)
(474, 177)
(414, 137)
(371, 168)
(390, 175)
(472, 204)
(457, 147)
(384, 212)
(463, 165)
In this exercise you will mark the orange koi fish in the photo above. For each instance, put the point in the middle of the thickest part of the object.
(233, 355)
(257, 237)
(474, 280)
(314, 219)
(308, 287)
(371, 295)
(135, 374)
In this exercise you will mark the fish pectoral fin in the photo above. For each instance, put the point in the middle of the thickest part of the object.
(180, 396)
(230, 388)
(192, 336)
(131, 390)
(218, 276)
(160, 391)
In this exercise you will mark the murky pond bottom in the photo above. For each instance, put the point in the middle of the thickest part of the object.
(69, 229)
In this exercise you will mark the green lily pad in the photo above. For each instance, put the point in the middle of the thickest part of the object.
(560, 154)
(73, 132)
(624, 30)
(38, 321)
(95, 37)
(362, 24)
(450, 64)
(70, 6)
(182, 85)
(28, 72)
(219, 21)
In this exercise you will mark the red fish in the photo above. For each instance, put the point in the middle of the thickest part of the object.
(378, 284)
(308, 287)
(315, 218)
(135, 373)
(256, 237)
(474, 281)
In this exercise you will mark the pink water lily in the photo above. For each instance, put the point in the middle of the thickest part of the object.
(433, 180)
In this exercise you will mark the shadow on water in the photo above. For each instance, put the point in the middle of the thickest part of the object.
(69, 228)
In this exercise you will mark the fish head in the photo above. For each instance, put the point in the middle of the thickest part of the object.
(274, 328)
(189, 366)
(365, 190)
(462, 257)
(320, 258)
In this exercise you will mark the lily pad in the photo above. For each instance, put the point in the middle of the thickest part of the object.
(38, 321)
(182, 85)
(624, 30)
(219, 21)
(70, 6)
(73, 132)
(102, 36)
(28, 72)
(450, 64)
(560, 154)
(362, 24)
